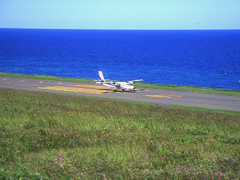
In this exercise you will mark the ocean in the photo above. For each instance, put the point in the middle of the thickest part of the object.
(204, 58)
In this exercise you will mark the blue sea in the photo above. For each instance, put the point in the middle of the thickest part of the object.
(205, 58)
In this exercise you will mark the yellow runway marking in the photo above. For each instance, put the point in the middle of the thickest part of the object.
(138, 90)
(59, 83)
(4, 79)
(237, 102)
(40, 82)
(76, 89)
(22, 81)
(164, 95)
(93, 86)
(85, 88)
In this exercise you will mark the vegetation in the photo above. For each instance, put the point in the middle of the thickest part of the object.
(57, 136)
(43, 77)
(138, 84)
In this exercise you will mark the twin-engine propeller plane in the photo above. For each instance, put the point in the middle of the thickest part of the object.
(125, 86)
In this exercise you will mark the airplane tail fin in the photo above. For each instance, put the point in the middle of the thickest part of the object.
(100, 76)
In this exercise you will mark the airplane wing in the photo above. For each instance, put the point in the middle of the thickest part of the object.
(137, 80)
(109, 85)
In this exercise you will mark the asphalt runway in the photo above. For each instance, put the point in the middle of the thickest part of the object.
(164, 97)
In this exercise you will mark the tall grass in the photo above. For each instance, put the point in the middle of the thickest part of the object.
(57, 136)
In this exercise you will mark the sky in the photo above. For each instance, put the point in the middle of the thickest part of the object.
(120, 14)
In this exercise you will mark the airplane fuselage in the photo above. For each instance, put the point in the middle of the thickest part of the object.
(123, 86)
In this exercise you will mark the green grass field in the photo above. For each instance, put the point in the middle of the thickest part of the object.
(137, 84)
(43, 77)
(57, 136)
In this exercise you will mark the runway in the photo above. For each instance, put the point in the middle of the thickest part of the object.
(165, 97)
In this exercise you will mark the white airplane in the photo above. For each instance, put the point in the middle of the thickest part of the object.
(125, 86)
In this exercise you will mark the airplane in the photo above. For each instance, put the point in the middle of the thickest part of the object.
(125, 86)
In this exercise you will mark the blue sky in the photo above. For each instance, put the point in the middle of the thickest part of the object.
(120, 14)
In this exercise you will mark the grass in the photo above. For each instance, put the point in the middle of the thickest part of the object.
(57, 136)
(44, 77)
(138, 84)
(208, 110)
